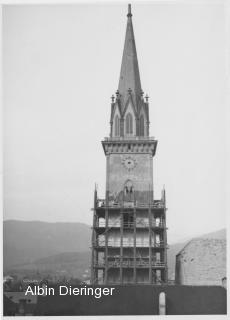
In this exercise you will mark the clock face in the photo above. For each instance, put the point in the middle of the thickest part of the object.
(129, 163)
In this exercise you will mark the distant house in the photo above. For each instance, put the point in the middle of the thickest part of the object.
(17, 304)
(10, 308)
(201, 262)
(7, 279)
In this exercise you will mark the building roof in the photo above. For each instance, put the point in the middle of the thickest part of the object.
(202, 241)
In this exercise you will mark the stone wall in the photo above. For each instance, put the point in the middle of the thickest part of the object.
(140, 176)
(201, 262)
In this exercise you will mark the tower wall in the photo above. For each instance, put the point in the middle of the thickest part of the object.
(140, 176)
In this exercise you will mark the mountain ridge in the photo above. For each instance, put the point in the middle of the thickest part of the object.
(65, 244)
(26, 241)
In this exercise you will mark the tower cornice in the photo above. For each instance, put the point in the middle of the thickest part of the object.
(126, 145)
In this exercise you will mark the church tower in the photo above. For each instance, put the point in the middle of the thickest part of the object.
(129, 243)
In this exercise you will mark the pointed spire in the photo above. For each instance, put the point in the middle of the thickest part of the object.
(129, 75)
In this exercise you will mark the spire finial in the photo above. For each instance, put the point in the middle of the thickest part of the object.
(129, 15)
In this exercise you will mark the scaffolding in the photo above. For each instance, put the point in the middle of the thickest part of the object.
(109, 253)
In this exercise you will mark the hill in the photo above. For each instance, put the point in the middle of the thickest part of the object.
(220, 234)
(67, 264)
(27, 241)
(56, 247)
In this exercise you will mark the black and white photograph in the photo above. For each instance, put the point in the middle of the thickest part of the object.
(114, 158)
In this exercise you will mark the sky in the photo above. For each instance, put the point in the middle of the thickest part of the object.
(61, 65)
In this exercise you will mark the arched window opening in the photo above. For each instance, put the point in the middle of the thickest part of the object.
(142, 126)
(117, 126)
(128, 191)
(129, 124)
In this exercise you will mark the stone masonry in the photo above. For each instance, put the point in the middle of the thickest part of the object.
(201, 262)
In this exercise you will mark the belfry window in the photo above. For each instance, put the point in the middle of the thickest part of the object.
(117, 126)
(142, 126)
(129, 124)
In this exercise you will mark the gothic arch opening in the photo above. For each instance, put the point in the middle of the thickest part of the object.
(142, 126)
(129, 123)
(128, 191)
(117, 126)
